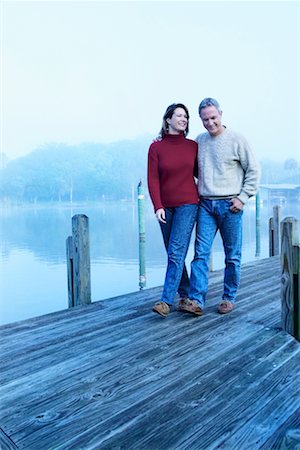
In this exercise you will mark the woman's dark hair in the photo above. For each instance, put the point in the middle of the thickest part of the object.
(168, 114)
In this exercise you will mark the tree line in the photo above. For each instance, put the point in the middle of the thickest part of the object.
(87, 172)
(96, 172)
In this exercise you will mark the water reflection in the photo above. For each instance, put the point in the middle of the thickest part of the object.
(113, 231)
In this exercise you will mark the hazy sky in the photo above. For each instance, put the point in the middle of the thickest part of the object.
(104, 71)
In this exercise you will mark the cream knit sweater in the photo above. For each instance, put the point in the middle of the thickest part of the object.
(227, 166)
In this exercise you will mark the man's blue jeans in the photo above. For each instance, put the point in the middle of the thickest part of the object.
(214, 215)
(177, 235)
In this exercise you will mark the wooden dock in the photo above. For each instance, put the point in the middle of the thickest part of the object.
(113, 375)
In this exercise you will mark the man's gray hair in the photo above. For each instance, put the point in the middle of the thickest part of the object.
(209, 102)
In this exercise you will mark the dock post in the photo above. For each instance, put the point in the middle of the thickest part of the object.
(211, 261)
(78, 258)
(274, 231)
(290, 271)
(142, 240)
(257, 225)
(69, 251)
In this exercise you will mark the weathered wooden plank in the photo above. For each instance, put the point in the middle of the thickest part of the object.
(287, 436)
(53, 333)
(5, 442)
(135, 346)
(78, 326)
(53, 349)
(164, 417)
(267, 419)
(132, 347)
(105, 378)
(114, 375)
(210, 416)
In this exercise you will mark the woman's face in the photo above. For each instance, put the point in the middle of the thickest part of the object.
(178, 122)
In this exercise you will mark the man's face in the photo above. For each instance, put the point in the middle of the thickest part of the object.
(212, 120)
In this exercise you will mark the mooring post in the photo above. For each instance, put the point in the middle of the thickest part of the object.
(211, 261)
(142, 240)
(257, 224)
(274, 231)
(271, 236)
(69, 251)
(290, 274)
(78, 256)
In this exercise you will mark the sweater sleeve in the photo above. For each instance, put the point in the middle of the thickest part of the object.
(153, 178)
(251, 172)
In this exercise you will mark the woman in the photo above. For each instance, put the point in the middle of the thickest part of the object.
(172, 162)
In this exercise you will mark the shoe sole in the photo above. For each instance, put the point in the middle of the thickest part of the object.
(191, 312)
(225, 312)
(159, 313)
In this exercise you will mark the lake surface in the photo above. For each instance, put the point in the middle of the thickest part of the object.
(33, 256)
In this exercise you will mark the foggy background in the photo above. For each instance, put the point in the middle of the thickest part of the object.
(93, 71)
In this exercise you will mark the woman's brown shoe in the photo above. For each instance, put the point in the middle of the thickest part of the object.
(161, 308)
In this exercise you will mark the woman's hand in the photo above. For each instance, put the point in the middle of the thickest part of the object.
(161, 215)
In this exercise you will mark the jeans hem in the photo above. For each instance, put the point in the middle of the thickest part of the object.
(231, 300)
(201, 304)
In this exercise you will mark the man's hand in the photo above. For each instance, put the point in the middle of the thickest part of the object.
(161, 215)
(237, 205)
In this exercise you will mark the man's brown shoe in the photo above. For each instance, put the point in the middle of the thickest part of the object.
(161, 308)
(190, 306)
(225, 307)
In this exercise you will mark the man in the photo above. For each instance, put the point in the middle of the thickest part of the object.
(228, 177)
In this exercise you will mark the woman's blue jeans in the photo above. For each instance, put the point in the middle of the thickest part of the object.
(177, 235)
(214, 215)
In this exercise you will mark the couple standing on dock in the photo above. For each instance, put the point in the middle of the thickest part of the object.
(227, 174)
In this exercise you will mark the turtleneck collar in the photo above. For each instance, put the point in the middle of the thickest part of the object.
(174, 138)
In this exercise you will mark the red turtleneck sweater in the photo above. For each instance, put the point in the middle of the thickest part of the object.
(171, 170)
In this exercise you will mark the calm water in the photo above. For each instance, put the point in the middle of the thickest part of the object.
(33, 263)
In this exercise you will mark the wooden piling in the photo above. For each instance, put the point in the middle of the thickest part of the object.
(274, 231)
(78, 259)
(69, 251)
(211, 261)
(257, 225)
(142, 239)
(290, 267)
